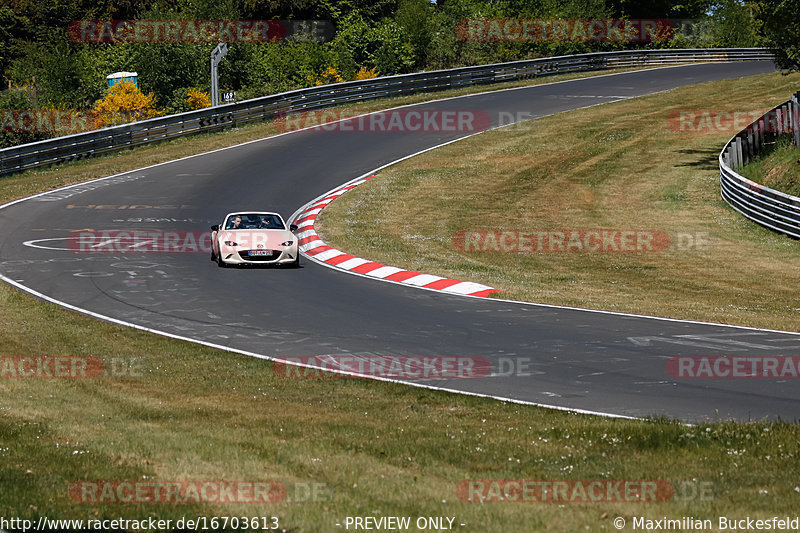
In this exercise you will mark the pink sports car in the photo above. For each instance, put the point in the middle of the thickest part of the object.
(254, 238)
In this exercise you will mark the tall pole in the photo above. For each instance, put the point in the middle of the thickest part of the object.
(216, 56)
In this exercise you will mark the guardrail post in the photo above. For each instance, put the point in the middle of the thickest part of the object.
(771, 123)
(759, 134)
(794, 114)
(745, 158)
(787, 113)
(787, 122)
(741, 149)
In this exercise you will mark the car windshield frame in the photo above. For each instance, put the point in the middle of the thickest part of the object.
(253, 221)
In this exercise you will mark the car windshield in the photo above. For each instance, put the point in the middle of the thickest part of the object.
(254, 221)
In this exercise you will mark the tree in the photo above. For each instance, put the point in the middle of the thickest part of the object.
(732, 25)
(659, 8)
(780, 26)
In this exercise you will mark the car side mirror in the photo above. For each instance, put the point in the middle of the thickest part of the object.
(292, 227)
(215, 227)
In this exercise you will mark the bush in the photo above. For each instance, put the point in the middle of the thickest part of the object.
(365, 74)
(124, 103)
(329, 75)
(198, 99)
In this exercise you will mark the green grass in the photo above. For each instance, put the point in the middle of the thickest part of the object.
(193, 413)
(777, 167)
(618, 166)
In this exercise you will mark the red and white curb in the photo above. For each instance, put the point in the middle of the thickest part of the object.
(314, 247)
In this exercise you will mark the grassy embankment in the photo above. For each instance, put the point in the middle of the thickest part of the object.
(620, 166)
(192, 413)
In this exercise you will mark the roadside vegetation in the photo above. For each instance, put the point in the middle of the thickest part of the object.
(620, 166)
(47, 62)
(35, 180)
(777, 167)
(165, 410)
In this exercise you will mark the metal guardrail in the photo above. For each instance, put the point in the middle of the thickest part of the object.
(88, 144)
(773, 209)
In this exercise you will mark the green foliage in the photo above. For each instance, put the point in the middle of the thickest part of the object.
(162, 67)
(17, 98)
(390, 36)
(275, 66)
(660, 8)
(395, 55)
(178, 101)
(692, 34)
(733, 25)
(730, 24)
(780, 25)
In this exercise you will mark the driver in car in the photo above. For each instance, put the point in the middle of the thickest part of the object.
(237, 223)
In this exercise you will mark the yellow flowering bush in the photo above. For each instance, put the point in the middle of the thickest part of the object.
(198, 99)
(123, 103)
(329, 75)
(365, 74)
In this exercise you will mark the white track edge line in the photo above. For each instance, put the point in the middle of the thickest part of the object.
(261, 356)
(117, 321)
(485, 298)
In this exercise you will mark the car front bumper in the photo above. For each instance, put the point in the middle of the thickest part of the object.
(266, 257)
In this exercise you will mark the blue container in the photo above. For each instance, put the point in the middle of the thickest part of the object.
(119, 77)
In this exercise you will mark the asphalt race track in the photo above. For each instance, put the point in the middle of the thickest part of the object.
(575, 359)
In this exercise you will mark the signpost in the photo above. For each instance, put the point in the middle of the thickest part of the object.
(216, 56)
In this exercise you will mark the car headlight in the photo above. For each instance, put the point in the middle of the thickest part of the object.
(230, 243)
(287, 243)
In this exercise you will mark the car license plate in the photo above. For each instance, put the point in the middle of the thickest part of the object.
(259, 252)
